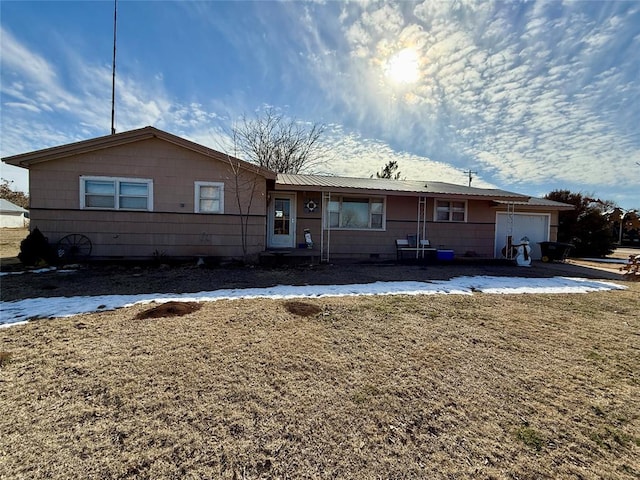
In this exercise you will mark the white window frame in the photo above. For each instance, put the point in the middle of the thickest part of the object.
(340, 199)
(451, 210)
(196, 199)
(116, 200)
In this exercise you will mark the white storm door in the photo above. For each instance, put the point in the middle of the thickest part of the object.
(282, 220)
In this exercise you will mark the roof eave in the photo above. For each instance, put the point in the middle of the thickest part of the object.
(519, 206)
(399, 193)
(25, 160)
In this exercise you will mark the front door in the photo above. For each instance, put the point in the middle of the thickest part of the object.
(282, 220)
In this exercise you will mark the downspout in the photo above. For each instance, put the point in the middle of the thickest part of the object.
(326, 225)
(421, 230)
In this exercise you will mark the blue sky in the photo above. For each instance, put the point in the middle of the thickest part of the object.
(533, 96)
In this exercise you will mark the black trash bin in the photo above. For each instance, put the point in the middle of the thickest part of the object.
(555, 251)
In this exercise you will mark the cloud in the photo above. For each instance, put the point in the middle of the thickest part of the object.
(31, 65)
(37, 76)
(355, 156)
(529, 94)
(81, 108)
(528, 101)
(26, 106)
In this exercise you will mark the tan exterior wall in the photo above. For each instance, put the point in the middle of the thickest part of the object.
(172, 228)
(477, 235)
(553, 230)
(55, 184)
(142, 234)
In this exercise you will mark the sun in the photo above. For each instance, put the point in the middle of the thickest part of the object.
(403, 67)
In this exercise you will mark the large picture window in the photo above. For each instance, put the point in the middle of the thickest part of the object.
(111, 193)
(355, 213)
(451, 211)
(209, 197)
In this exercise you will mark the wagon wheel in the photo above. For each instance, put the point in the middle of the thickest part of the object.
(74, 246)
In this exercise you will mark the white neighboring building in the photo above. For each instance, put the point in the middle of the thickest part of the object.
(12, 216)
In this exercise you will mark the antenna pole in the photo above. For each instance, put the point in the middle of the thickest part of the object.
(470, 173)
(113, 71)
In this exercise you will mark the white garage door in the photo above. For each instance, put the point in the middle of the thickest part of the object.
(533, 226)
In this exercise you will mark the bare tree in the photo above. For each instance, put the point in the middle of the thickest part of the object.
(18, 198)
(279, 143)
(245, 183)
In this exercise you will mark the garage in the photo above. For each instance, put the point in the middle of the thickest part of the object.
(534, 226)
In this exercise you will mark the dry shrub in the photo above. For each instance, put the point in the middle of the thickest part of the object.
(632, 268)
(5, 358)
(170, 309)
(302, 309)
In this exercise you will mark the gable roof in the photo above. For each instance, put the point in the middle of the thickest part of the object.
(25, 160)
(347, 185)
(7, 206)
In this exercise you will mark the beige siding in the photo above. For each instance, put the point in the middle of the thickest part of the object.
(477, 235)
(120, 234)
(174, 170)
(474, 237)
(553, 227)
(306, 219)
(172, 228)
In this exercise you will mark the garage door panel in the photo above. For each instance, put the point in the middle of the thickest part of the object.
(535, 227)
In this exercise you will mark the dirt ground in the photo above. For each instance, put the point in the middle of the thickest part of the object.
(99, 279)
(189, 278)
(445, 387)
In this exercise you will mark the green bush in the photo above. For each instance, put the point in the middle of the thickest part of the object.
(532, 438)
(586, 226)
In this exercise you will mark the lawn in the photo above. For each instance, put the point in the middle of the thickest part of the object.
(446, 386)
(10, 239)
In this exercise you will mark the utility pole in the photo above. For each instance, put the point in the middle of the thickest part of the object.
(113, 70)
(470, 173)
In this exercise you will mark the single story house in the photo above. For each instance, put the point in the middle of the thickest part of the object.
(147, 192)
(12, 215)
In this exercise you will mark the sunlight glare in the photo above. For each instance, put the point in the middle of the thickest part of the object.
(403, 67)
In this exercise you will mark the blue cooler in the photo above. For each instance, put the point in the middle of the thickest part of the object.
(445, 255)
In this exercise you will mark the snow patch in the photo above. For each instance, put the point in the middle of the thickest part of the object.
(19, 311)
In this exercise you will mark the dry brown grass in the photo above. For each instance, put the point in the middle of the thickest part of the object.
(482, 386)
(10, 239)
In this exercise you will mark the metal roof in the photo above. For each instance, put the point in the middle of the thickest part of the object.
(7, 206)
(335, 184)
(540, 202)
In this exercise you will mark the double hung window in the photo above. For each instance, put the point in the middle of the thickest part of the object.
(110, 193)
(451, 211)
(209, 197)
